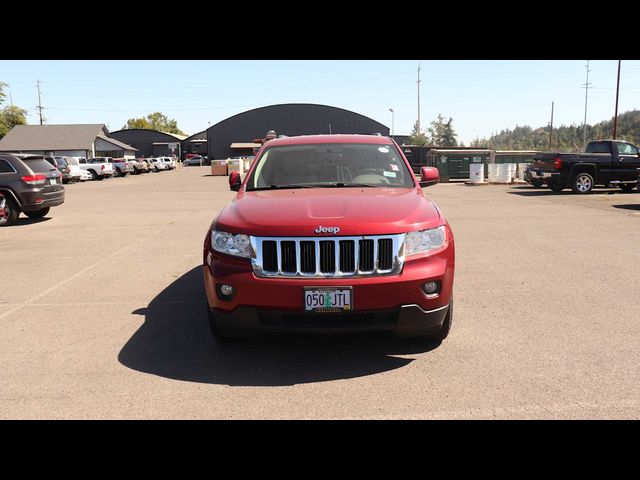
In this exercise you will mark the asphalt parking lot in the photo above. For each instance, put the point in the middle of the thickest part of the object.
(102, 316)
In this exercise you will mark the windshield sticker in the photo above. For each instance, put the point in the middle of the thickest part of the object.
(389, 174)
(383, 150)
(394, 167)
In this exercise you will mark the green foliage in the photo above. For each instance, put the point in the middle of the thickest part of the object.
(566, 138)
(137, 123)
(418, 137)
(11, 115)
(155, 121)
(442, 133)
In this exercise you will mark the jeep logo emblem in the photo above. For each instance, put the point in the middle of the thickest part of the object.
(322, 229)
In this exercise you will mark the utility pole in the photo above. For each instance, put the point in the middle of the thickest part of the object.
(40, 107)
(615, 118)
(418, 82)
(586, 96)
(10, 99)
(551, 129)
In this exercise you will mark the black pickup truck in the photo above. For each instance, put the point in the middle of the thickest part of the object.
(605, 162)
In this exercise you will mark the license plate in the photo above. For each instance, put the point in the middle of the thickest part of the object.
(328, 299)
(54, 181)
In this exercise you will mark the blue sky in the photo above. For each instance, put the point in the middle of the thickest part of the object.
(481, 96)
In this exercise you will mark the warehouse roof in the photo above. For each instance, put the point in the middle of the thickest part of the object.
(118, 143)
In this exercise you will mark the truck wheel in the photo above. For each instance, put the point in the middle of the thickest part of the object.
(11, 213)
(582, 183)
(38, 213)
(554, 187)
(94, 175)
(536, 183)
(446, 325)
(627, 187)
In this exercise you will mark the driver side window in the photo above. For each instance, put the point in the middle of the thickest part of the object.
(627, 149)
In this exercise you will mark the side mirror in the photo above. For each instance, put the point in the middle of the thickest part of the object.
(235, 181)
(429, 176)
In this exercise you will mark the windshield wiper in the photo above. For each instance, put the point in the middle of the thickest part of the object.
(341, 185)
(279, 187)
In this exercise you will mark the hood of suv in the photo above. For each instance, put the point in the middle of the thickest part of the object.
(355, 211)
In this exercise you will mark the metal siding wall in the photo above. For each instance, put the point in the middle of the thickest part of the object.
(142, 140)
(289, 120)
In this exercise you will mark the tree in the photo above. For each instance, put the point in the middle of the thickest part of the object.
(418, 137)
(10, 116)
(155, 121)
(137, 123)
(442, 133)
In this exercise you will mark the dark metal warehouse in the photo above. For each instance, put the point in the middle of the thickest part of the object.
(286, 119)
(150, 143)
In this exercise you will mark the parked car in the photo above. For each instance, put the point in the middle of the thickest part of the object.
(196, 162)
(157, 164)
(74, 168)
(359, 247)
(98, 167)
(85, 175)
(605, 162)
(169, 162)
(148, 163)
(62, 166)
(121, 166)
(29, 184)
(139, 166)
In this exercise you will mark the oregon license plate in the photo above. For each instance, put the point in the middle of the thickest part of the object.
(328, 299)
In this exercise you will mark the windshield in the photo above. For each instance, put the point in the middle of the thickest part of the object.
(330, 165)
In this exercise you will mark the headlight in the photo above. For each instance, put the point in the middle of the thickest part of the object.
(423, 241)
(232, 244)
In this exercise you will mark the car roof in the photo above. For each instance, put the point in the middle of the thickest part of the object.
(315, 139)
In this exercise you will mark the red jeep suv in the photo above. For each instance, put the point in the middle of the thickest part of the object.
(330, 234)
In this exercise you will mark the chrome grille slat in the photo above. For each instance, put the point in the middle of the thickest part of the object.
(328, 256)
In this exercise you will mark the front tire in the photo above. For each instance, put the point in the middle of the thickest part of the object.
(555, 187)
(582, 183)
(11, 213)
(38, 213)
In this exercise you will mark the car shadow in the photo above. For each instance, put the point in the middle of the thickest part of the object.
(175, 342)
(23, 221)
(628, 206)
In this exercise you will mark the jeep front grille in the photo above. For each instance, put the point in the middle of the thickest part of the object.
(327, 256)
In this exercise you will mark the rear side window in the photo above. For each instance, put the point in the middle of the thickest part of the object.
(599, 147)
(5, 167)
(39, 165)
(62, 162)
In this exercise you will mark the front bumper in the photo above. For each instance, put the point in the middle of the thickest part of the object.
(391, 303)
(406, 320)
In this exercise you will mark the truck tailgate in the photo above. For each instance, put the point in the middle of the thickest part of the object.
(544, 162)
